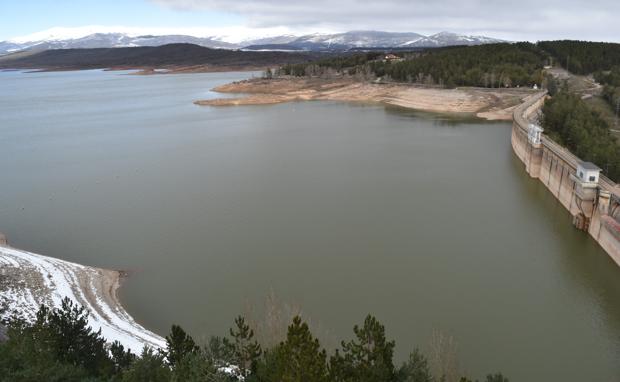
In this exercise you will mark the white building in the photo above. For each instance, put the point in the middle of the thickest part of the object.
(588, 172)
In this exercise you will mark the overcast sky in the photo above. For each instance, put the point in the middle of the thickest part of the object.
(512, 20)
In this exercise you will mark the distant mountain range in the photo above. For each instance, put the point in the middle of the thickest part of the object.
(368, 39)
(311, 42)
(188, 56)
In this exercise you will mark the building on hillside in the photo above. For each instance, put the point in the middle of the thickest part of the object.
(392, 58)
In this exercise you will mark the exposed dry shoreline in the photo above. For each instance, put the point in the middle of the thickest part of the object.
(491, 104)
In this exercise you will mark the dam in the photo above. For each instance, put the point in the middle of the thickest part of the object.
(592, 199)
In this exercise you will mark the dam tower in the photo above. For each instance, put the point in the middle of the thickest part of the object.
(586, 180)
(535, 150)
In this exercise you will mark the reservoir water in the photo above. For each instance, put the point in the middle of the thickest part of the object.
(429, 222)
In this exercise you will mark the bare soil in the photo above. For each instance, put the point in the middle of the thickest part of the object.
(491, 104)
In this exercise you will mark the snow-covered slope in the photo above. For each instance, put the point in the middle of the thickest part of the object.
(64, 38)
(357, 39)
(29, 280)
(111, 40)
(450, 39)
(368, 39)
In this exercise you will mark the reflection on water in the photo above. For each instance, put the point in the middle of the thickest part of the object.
(429, 222)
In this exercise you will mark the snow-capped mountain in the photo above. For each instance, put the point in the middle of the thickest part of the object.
(310, 42)
(283, 39)
(111, 40)
(371, 39)
(354, 39)
(450, 39)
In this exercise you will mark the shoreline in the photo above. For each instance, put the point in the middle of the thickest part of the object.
(490, 104)
(28, 280)
(145, 70)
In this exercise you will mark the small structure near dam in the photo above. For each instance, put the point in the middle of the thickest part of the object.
(592, 199)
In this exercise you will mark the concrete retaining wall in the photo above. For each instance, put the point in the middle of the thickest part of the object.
(555, 167)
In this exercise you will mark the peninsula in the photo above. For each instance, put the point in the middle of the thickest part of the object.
(491, 104)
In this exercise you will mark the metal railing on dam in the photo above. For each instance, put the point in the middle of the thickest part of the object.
(594, 207)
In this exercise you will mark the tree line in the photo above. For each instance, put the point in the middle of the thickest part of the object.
(582, 57)
(611, 89)
(568, 120)
(346, 64)
(492, 66)
(601, 59)
(60, 346)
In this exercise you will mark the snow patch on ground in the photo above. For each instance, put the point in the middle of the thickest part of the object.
(28, 280)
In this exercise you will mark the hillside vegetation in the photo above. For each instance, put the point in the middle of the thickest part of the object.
(59, 346)
(582, 57)
(157, 56)
(492, 66)
(611, 90)
(600, 59)
(569, 121)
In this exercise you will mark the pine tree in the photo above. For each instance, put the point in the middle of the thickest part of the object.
(59, 345)
(368, 358)
(149, 367)
(70, 338)
(122, 359)
(298, 359)
(179, 344)
(415, 369)
(245, 350)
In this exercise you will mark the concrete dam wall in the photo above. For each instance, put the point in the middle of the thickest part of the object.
(592, 199)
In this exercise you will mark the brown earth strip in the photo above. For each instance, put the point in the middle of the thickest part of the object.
(492, 104)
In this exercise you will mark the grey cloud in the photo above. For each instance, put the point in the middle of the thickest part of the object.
(517, 20)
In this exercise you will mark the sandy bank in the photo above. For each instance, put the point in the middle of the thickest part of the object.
(492, 104)
(28, 280)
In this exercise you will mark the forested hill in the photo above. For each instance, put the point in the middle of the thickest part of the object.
(492, 65)
(159, 56)
(583, 57)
